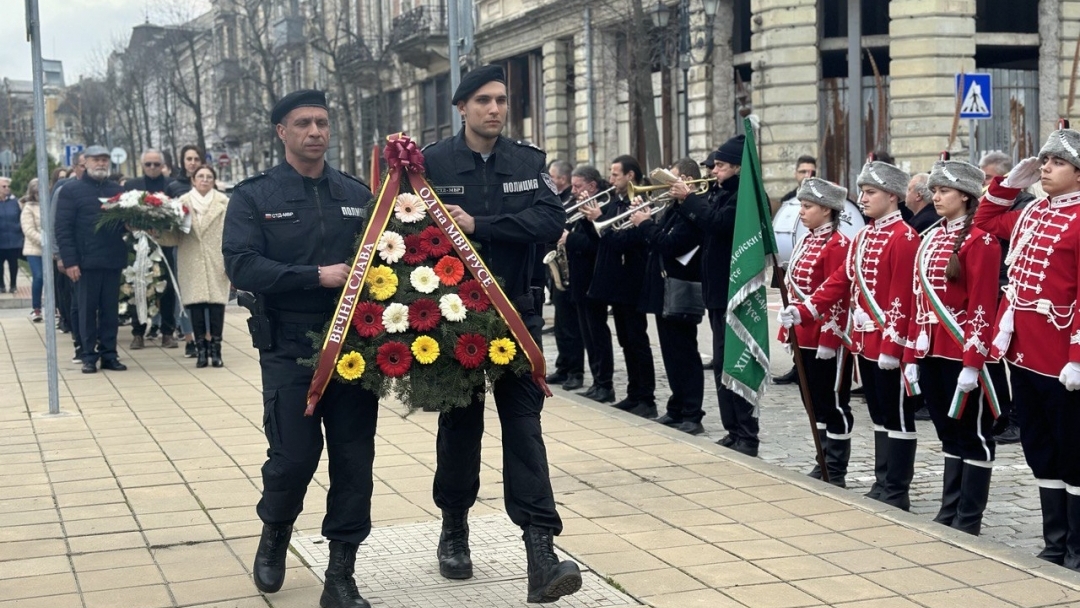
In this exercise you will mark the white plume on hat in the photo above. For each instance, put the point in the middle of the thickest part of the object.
(958, 175)
(1063, 144)
(821, 192)
(884, 176)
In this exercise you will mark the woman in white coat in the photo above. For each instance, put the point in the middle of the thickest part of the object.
(204, 286)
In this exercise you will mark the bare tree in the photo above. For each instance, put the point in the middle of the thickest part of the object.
(260, 70)
(187, 72)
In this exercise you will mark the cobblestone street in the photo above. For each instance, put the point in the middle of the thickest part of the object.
(1012, 515)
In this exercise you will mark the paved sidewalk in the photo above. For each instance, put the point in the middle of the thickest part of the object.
(142, 495)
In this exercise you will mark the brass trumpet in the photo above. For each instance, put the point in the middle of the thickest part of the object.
(600, 198)
(622, 220)
(666, 179)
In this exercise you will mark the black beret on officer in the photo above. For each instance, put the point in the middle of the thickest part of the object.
(304, 98)
(475, 79)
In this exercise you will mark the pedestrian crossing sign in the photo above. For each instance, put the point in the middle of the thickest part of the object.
(976, 96)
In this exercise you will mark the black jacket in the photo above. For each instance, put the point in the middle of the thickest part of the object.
(671, 237)
(620, 262)
(510, 197)
(280, 227)
(715, 217)
(924, 219)
(180, 186)
(78, 208)
(146, 184)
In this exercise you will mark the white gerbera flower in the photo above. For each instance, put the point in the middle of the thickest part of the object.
(395, 318)
(130, 198)
(452, 308)
(391, 247)
(424, 279)
(409, 208)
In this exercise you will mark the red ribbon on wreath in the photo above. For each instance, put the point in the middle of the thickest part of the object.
(404, 158)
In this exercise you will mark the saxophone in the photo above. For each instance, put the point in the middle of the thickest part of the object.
(560, 269)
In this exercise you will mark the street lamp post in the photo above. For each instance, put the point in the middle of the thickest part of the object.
(661, 17)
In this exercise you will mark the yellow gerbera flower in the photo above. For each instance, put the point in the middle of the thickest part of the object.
(351, 365)
(502, 351)
(382, 282)
(425, 349)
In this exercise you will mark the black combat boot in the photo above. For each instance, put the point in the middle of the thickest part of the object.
(899, 474)
(951, 482)
(269, 569)
(202, 352)
(455, 560)
(215, 352)
(824, 440)
(339, 590)
(549, 579)
(1055, 517)
(974, 492)
(881, 464)
(837, 455)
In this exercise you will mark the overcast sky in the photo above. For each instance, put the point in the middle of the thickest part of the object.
(77, 32)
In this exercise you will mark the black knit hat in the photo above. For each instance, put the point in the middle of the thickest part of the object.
(731, 150)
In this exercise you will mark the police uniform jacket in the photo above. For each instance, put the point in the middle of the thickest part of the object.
(77, 211)
(280, 227)
(666, 239)
(620, 261)
(147, 184)
(510, 198)
(715, 216)
(1044, 276)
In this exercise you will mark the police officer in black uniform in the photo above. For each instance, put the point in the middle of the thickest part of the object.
(288, 233)
(499, 193)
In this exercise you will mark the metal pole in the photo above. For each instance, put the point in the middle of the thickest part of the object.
(973, 126)
(452, 34)
(854, 92)
(589, 88)
(33, 33)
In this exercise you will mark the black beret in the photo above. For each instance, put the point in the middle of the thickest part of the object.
(304, 98)
(475, 79)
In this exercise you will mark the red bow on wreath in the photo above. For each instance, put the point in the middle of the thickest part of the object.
(403, 153)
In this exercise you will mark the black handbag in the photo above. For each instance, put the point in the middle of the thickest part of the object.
(683, 300)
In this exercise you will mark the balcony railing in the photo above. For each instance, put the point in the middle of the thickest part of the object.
(422, 22)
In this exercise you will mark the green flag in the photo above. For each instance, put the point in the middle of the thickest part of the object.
(746, 345)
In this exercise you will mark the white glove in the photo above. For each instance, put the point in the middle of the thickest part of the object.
(824, 352)
(789, 317)
(1070, 376)
(969, 379)
(1024, 174)
(911, 372)
(887, 362)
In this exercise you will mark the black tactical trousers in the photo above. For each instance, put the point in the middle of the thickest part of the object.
(348, 412)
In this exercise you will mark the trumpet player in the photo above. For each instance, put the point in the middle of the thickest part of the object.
(581, 242)
(620, 266)
(570, 362)
(674, 250)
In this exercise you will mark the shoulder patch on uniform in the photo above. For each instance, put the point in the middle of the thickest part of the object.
(250, 179)
(550, 182)
(527, 144)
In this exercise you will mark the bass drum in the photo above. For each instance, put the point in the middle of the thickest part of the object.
(789, 229)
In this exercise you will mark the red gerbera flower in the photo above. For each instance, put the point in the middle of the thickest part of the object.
(152, 200)
(434, 242)
(473, 296)
(450, 270)
(368, 319)
(414, 251)
(424, 314)
(471, 350)
(394, 358)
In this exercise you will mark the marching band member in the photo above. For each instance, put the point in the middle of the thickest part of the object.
(956, 300)
(877, 278)
(814, 259)
(1039, 330)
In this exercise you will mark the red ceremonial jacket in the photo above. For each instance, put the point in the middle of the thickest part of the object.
(817, 256)
(1044, 272)
(971, 299)
(883, 256)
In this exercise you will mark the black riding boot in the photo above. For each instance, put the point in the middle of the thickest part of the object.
(215, 352)
(816, 471)
(951, 481)
(1072, 542)
(1055, 517)
(881, 464)
(974, 492)
(549, 579)
(339, 590)
(837, 455)
(455, 559)
(202, 351)
(269, 569)
(901, 471)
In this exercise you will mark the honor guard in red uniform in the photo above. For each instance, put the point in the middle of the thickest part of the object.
(816, 256)
(1039, 330)
(956, 303)
(877, 278)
